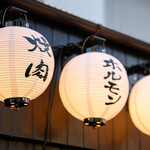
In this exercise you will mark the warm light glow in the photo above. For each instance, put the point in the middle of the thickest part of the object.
(26, 104)
(139, 105)
(25, 56)
(85, 86)
(86, 124)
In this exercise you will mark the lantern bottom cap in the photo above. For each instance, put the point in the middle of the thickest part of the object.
(94, 122)
(15, 102)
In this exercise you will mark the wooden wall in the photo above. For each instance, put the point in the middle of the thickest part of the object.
(25, 129)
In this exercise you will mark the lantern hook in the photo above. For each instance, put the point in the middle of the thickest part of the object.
(95, 37)
(15, 13)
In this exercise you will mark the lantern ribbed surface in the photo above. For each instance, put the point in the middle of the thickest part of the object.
(85, 83)
(26, 61)
(139, 105)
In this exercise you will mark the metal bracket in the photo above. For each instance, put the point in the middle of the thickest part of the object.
(143, 69)
(82, 46)
(93, 40)
(11, 15)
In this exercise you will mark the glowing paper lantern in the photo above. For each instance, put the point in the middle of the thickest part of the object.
(26, 65)
(139, 105)
(94, 87)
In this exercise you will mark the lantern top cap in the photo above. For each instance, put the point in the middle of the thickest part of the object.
(11, 16)
(94, 37)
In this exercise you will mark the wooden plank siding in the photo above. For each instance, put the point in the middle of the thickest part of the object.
(67, 132)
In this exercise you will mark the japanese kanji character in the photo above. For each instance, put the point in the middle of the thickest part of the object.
(38, 72)
(38, 43)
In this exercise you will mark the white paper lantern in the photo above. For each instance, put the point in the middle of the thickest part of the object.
(94, 87)
(139, 105)
(26, 65)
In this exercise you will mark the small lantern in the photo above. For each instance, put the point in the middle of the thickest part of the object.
(94, 87)
(139, 105)
(26, 66)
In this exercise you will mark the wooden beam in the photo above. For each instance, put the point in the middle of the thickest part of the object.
(76, 22)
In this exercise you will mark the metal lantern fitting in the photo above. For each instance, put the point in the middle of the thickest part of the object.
(94, 87)
(139, 105)
(26, 66)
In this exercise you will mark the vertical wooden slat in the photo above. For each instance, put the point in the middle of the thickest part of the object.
(52, 148)
(106, 132)
(120, 131)
(40, 115)
(29, 146)
(37, 147)
(15, 145)
(91, 137)
(75, 131)
(3, 144)
(45, 30)
(23, 122)
(6, 120)
(106, 136)
(133, 135)
(59, 113)
(145, 142)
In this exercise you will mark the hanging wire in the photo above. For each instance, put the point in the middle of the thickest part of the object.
(83, 45)
(104, 48)
(26, 18)
(3, 18)
(52, 95)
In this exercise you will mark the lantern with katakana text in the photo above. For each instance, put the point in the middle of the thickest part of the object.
(94, 87)
(26, 66)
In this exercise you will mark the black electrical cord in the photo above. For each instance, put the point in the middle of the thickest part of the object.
(52, 95)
